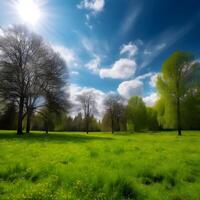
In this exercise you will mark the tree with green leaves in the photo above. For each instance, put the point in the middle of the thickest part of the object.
(180, 74)
(136, 114)
(152, 122)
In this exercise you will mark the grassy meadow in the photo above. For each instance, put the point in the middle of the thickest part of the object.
(100, 166)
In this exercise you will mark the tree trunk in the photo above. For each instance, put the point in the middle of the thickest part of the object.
(118, 124)
(47, 130)
(20, 117)
(112, 125)
(178, 117)
(28, 122)
(46, 127)
(87, 125)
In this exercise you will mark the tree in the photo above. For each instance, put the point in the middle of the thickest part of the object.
(152, 122)
(78, 122)
(17, 47)
(166, 113)
(114, 110)
(179, 77)
(88, 104)
(31, 73)
(136, 114)
(191, 111)
(47, 83)
(8, 117)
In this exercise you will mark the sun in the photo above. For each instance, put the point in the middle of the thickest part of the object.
(29, 11)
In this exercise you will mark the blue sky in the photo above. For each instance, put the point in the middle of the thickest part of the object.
(115, 45)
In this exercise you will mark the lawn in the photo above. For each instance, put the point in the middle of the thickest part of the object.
(100, 166)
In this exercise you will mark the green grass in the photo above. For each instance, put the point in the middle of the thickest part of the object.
(100, 166)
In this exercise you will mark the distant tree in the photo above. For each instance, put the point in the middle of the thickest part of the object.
(180, 74)
(37, 122)
(94, 124)
(106, 122)
(114, 110)
(136, 114)
(78, 122)
(190, 110)
(88, 106)
(8, 118)
(152, 122)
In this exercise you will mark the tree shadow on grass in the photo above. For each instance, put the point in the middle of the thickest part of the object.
(53, 137)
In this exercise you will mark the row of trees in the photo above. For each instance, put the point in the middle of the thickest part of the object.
(33, 88)
(178, 107)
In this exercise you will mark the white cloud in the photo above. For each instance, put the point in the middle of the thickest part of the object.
(144, 76)
(147, 52)
(133, 87)
(95, 50)
(67, 54)
(153, 80)
(88, 45)
(74, 73)
(1, 32)
(130, 88)
(130, 49)
(92, 5)
(160, 46)
(94, 46)
(75, 91)
(151, 99)
(89, 25)
(139, 42)
(163, 41)
(121, 69)
(94, 64)
(130, 19)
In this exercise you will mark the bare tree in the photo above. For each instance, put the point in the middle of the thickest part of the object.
(30, 72)
(114, 108)
(47, 86)
(88, 106)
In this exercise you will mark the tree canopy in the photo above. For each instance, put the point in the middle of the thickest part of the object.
(178, 78)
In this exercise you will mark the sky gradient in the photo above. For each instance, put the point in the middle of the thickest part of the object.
(115, 45)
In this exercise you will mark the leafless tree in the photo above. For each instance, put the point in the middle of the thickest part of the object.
(88, 106)
(48, 86)
(114, 108)
(31, 72)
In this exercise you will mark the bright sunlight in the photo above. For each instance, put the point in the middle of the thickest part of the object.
(29, 11)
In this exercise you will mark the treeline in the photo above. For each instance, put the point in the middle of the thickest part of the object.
(131, 117)
(33, 93)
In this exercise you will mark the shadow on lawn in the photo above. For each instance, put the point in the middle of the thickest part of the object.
(53, 137)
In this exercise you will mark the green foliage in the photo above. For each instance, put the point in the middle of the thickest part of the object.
(177, 73)
(166, 114)
(119, 124)
(62, 122)
(176, 85)
(191, 111)
(99, 166)
(152, 122)
(136, 114)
